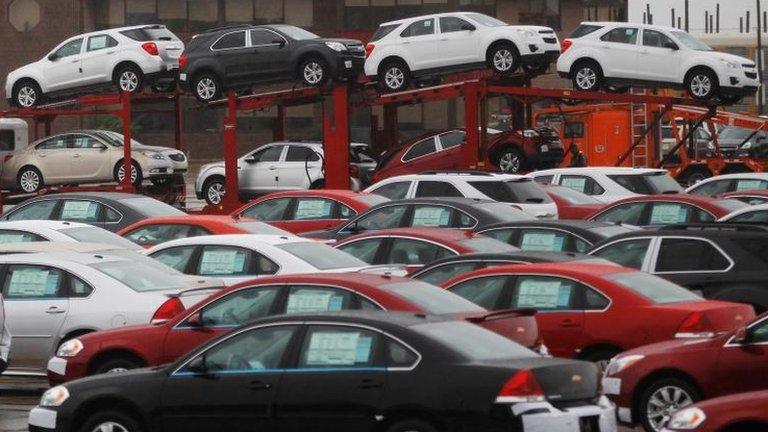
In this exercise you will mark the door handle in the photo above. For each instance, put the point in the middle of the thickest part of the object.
(75, 61)
(55, 310)
(259, 385)
(272, 168)
(569, 323)
(371, 384)
(77, 155)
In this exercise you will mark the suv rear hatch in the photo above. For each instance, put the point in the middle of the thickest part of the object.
(169, 47)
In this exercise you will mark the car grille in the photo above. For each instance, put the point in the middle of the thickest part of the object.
(550, 40)
(752, 75)
(546, 32)
(178, 157)
(357, 50)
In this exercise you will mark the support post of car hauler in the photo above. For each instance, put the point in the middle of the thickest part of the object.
(278, 132)
(178, 119)
(125, 118)
(471, 123)
(336, 138)
(231, 184)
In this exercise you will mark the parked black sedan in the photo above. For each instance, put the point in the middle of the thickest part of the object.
(112, 211)
(555, 235)
(351, 371)
(721, 261)
(460, 213)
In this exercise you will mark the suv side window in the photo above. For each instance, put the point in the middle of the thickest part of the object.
(421, 148)
(70, 48)
(393, 191)
(269, 154)
(689, 254)
(624, 35)
(629, 253)
(451, 24)
(261, 37)
(436, 189)
(585, 185)
(99, 42)
(230, 41)
(301, 154)
(420, 28)
(31, 282)
(653, 38)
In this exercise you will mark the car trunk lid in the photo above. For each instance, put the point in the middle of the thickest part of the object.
(560, 380)
(518, 325)
(710, 316)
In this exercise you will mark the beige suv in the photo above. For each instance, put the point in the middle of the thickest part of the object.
(89, 156)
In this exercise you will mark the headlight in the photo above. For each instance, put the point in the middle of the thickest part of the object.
(747, 145)
(153, 155)
(618, 364)
(730, 64)
(70, 348)
(688, 418)
(54, 397)
(336, 46)
(527, 33)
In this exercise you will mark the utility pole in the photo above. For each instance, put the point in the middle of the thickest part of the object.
(759, 57)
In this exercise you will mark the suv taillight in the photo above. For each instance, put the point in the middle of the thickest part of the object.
(7, 157)
(169, 309)
(150, 48)
(565, 45)
(522, 387)
(182, 61)
(369, 49)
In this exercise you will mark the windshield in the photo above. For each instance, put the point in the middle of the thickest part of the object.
(261, 228)
(116, 139)
(512, 191)
(487, 244)
(296, 33)
(653, 288)
(647, 183)
(151, 207)
(572, 196)
(690, 41)
(322, 256)
(472, 341)
(735, 133)
(139, 276)
(486, 20)
(504, 212)
(97, 235)
(432, 299)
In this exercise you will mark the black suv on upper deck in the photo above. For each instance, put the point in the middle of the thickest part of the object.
(240, 56)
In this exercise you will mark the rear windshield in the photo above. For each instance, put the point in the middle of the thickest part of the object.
(584, 30)
(97, 235)
(321, 256)
(504, 212)
(516, 191)
(472, 341)
(432, 299)
(371, 199)
(139, 276)
(383, 31)
(654, 288)
(647, 183)
(154, 33)
(731, 204)
(151, 207)
(487, 244)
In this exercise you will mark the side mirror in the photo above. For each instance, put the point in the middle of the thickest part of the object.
(468, 26)
(741, 336)
(195, 320)
(279, 41)
(671, 45)
(53, 57)
(197, 365)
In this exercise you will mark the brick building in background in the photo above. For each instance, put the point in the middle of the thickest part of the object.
(29, 29)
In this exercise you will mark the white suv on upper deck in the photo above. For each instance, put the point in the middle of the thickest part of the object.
(604, 54)
(427, 45)
(129, 57)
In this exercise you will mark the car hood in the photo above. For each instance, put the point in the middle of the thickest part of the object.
(219, 164)
(115, 380)
(680, 345)
(26, 70)
(733, 58)
(342, 40)
(159, 149)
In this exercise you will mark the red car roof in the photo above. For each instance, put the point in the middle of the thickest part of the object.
(449, 237)
(347, 197)
(705, 202)
(215, 223)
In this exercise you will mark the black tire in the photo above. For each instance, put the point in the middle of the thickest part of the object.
(29, 179)
(587, 76)
(313, 72)
(26, 94)
(663, 386)
(117, 364)
(217, 184)
(702, 84)
(129, 78)
(394, 76)
(692, 176)
(160, 181)
(126, 421)
(412, 425)
(206, 87)
(117, 172)
(510, 160)
(503, 58)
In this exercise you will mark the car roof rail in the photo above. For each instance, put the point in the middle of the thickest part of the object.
(230, 27)
(458, 172)
(716, 226)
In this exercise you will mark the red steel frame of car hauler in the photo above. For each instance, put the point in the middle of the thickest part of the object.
(112, 104)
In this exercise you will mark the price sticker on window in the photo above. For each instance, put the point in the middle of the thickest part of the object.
(312, 301)
(668, 214)
(222, 262)
(431, 217)
(79, 210)
(575, 183)
(333, 349)
(14, 238)
(313, 209)
(33, 283)
(547, 242)
(743, 185)
(543, 294)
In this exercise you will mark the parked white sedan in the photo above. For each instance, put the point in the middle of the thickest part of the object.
(53, 297)
(22, 231)
(237, 257)
(756, 214)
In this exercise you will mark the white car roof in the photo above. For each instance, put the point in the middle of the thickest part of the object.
(243, 240)
(115, 30)
(416, 18)
(599, 170)
(625, 24)
(37, 226)
(749, 209)
(56, 246)
(61, 257)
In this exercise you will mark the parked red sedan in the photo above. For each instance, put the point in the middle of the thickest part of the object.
(659, 210)
(153, 231)
(649, 383)
(308, 210)
(742, 412)
(595, 311)
(750, 196)
(572, 204)
(148, 345)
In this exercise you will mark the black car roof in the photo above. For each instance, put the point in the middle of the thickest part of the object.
(712, 231)
(379, 319)
(588, 229)
(530, 256)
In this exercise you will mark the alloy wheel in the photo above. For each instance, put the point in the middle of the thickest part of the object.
(664, 402)
(26, 97)
(121, 173)
(313, 73)
(394, 78)
(586, 78)
(29, 181)
(109, 426)
(206, 88)
(215, 193)
(503, 60)
(129, 81)
(509, 163)
(701, 85)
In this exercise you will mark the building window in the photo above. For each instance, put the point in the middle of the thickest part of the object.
(541, 12)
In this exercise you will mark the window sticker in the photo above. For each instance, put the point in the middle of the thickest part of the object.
(333, 349)
(743, 185)
(668, 214)
(547, 242)
(33, 283)
(98, 42)
(543, 294)
(313, 209)
(313, 301)
(222, 262)
(431, 217)
(576, 183)
(79, 210)
(14, 238)
(363, 351)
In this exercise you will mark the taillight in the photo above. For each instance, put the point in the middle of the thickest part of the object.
(150, 48)
(169, 309)
(522, 387)
(369, 49)
(694, 325)
(182, 61)
(565, 44)
(7, 157)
